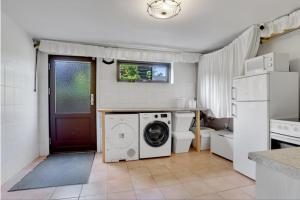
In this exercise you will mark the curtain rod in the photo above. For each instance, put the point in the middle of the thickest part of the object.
(153, 48)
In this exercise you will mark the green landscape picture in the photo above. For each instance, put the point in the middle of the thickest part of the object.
(129, 72)
(143, 72)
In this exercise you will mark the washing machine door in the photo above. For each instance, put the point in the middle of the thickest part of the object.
(156, 133)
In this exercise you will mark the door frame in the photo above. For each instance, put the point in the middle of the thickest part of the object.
(93, 61)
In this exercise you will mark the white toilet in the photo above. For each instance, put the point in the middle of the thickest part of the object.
(182, 137)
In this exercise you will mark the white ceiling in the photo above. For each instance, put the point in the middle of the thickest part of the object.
(203, 25)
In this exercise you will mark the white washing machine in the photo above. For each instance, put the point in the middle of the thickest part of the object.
(155, 135)
(121, 137)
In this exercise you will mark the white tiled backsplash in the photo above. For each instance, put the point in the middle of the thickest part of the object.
(113, 94)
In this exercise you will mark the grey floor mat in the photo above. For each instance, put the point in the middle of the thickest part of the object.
(58, 170)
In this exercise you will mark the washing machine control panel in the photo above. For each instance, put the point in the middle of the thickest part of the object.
(162, 115)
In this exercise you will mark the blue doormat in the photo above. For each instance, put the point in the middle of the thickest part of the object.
(58, 170)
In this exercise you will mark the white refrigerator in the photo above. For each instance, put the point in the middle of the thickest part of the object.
(255, 100)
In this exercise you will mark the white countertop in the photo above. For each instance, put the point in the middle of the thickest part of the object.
(286, 161)
(148, 109)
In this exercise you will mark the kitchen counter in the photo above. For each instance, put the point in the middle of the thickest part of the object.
(148, 109)
(286, 161)
(277, 173)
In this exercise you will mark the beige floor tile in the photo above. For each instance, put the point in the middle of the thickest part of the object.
(157, 170)
(198, 188)
(245, 179)
(174, 192)
(98, 156)
(224, 172)
(7, 185)
(99, 168)
(208, 197)
(38, 194)
(187, 177)
(117, 173)
(250, 190)
(119, 185)
(177, 167)
(143, 182)
(97, 177)
(34, 194)
(64, 192)
(94, 197)
(166, 179)
(116, 165)
(139, 171)
(11, 195)
(237, 194)
(99, 165)
(149, 194)
(121, 196)
(135, 164)
(155, 162)
(208, 173)
(94, 189)
(213, 172)
(228, 182)
(238, 180)
(221, 183)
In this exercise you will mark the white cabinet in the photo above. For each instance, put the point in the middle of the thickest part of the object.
(222, 144)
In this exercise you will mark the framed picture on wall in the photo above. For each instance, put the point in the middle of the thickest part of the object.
(135, 71)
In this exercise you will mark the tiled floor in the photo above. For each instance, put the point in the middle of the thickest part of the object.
(182, 176)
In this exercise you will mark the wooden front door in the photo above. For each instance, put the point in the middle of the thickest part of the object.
(72, 103)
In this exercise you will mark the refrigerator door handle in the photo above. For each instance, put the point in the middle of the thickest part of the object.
(234, 110)
(233, 93)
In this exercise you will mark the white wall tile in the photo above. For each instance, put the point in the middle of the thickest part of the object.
(19, 134)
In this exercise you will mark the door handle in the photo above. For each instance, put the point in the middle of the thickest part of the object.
(233, 110)
(233, 93)
(92, 99)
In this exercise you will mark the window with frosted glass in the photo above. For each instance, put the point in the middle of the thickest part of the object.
(72, 86)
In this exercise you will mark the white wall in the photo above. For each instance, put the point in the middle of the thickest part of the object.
(19, 138)
(288, 43)
(114, 94)
(43, 103)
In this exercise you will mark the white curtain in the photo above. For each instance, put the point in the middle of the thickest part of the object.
(216, 71)
(72, 49)
(281, 24)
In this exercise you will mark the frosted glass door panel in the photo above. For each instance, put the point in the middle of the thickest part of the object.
(72, 86)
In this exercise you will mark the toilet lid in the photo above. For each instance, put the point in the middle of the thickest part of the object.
(183, 135)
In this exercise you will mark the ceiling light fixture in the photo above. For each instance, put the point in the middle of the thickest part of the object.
(164, 9)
